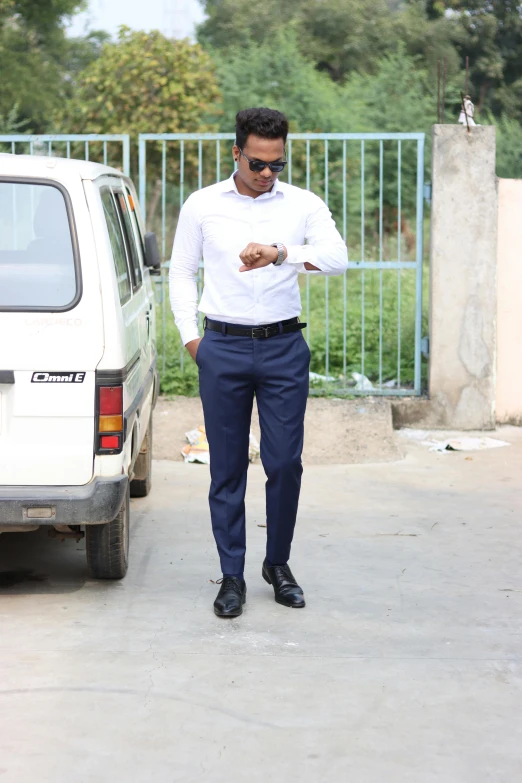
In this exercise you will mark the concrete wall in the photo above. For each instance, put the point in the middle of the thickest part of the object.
(463, 298)
(509, 323)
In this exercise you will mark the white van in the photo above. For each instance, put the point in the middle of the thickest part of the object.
(78, 378)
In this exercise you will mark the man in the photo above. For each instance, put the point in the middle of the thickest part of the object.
(255, 235)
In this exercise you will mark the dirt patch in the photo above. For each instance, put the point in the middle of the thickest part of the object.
(336, 431)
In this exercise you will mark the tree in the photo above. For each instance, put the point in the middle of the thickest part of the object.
(10, 122)
(277, 75)
(37, 60)
(429, 40)
(346, 36)
(342, 36)
(232, 23)
(143, 82)
(338, 36)
(490, 33)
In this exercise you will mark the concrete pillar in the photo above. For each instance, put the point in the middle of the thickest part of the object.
(463, 278)
(509, 319)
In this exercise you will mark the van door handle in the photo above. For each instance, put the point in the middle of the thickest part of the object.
(7, 376)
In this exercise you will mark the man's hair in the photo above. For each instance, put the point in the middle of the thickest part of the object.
(266, 123)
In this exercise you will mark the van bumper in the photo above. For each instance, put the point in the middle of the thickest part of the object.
(91, 504)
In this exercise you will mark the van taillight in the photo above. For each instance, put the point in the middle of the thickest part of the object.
(110, 419)
(110, 441)
(111, 400)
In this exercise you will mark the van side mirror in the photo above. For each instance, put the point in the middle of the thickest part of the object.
(152, 255)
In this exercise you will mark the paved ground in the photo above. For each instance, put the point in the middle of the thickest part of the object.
(404, 667)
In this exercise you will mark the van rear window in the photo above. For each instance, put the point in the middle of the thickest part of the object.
(37, 269)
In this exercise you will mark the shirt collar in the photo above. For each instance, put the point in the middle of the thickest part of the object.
(229, 186)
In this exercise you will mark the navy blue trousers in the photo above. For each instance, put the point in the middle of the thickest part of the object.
(232, 370)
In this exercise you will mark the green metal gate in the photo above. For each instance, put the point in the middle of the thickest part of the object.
(108, 148)
(364, 328)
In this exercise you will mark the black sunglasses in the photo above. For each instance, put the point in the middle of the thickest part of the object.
(260, 165)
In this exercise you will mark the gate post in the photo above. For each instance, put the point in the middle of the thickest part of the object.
(463, 278)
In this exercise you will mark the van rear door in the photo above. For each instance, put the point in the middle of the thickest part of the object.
(51, 329)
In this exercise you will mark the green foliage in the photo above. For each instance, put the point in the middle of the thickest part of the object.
(37, 61)
(143, 81)
(430, 40)
(230, 24)
(181, 373)
(336, 36)
(45, 20)
(11, 123)
(368, 334)
(509, 148)
(6, 9)
(490, 32)
(278, 75)
(343, 37)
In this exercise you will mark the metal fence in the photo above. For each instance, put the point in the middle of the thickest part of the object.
(364, 328)
(108, 148)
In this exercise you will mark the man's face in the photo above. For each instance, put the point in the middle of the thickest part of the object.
(256, 148)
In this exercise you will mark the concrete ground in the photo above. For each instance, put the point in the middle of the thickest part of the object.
(404, 667)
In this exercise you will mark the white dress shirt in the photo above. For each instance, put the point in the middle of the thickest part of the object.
(217, 223)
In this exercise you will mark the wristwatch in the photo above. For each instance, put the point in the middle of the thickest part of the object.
(280, 253)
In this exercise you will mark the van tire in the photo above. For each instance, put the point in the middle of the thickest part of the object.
(140, 486)
(108, 545)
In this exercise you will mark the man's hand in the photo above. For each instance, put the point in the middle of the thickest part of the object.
(255, 256)
(192, 347)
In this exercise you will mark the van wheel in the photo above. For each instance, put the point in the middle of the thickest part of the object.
(141, 483)
(108, 545)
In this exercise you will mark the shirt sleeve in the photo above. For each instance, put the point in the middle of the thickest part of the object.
(186, 254)
(324, 248)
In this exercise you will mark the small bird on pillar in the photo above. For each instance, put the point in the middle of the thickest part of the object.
(467, 109)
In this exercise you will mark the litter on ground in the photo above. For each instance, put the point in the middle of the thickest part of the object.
(362, 383)
(197, 449)
(315, 377)
(464, 444)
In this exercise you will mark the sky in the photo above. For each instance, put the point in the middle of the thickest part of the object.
(173, 17)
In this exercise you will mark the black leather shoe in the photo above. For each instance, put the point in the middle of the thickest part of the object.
(231, 597)
(286, 589)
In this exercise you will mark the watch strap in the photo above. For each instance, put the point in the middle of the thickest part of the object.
(280, 253)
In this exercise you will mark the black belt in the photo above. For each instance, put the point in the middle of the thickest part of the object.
(257, 332)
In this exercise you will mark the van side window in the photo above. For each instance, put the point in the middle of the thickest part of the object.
(134, 257)
(117, 244)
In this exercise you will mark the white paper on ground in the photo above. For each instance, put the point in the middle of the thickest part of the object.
(464, 444)
(362, 383)
(197, 449)
(314, 376)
